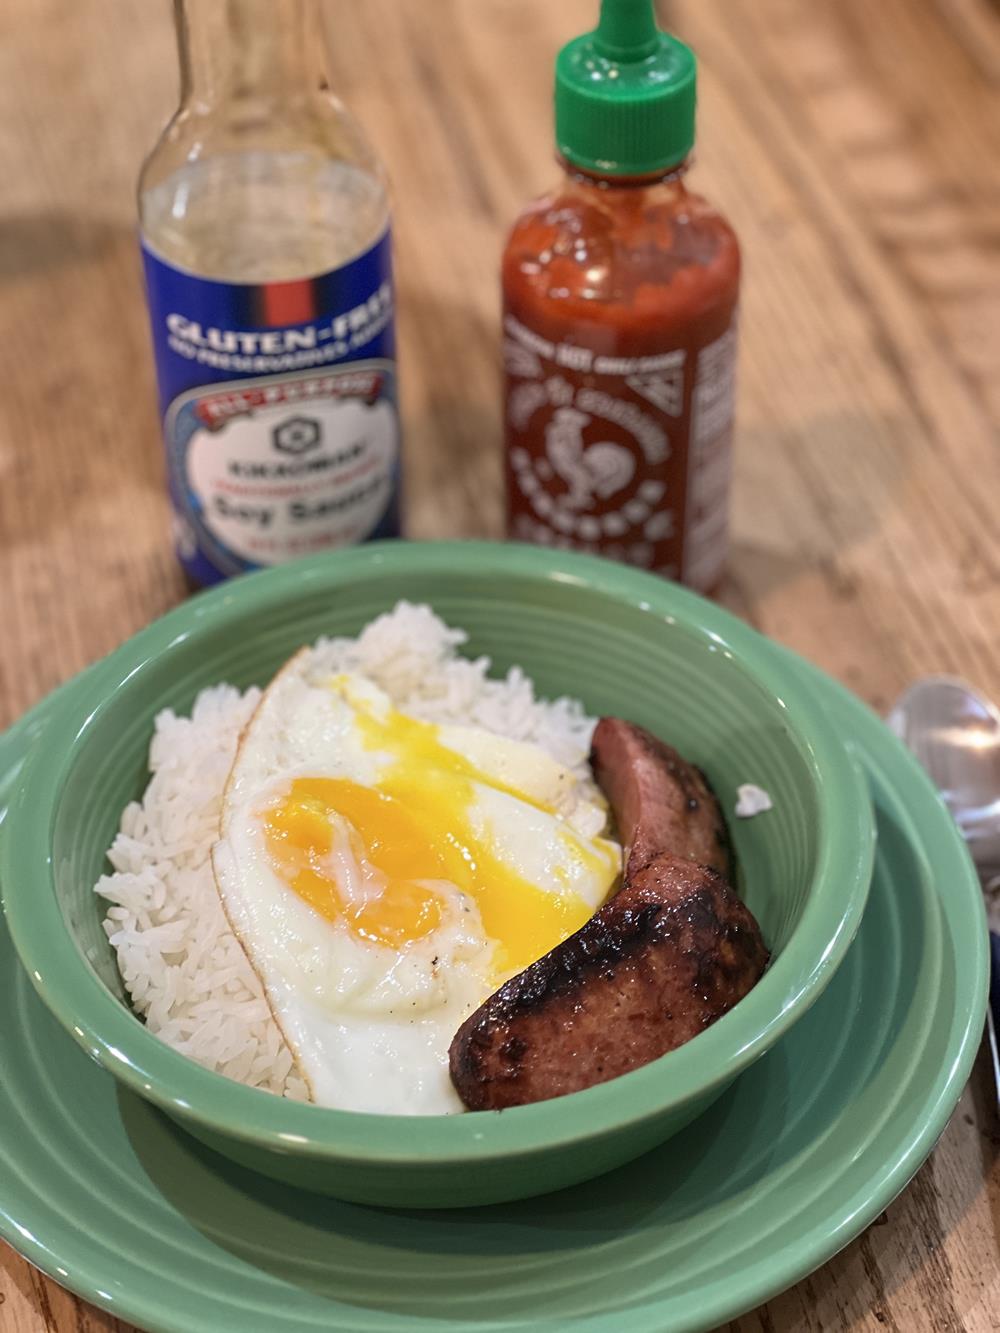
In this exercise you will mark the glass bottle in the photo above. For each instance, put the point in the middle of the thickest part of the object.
(265, 232)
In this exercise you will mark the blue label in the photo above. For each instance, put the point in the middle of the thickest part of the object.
(279, 412)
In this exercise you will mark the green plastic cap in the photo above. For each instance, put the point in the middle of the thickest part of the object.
(625, 94)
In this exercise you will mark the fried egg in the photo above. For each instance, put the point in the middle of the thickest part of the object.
(386, 874)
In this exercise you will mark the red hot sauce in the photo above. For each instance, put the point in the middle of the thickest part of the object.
(620, 295)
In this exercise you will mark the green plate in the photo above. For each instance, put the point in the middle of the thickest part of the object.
(107, 1196)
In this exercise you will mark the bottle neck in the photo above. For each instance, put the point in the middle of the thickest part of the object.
(246, 51)
(595, 180)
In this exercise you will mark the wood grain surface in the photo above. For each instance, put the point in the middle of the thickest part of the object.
(855, 144)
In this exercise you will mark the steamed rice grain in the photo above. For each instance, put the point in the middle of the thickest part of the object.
(183, 968)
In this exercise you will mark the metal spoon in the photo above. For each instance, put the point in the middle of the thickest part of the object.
(955, 734)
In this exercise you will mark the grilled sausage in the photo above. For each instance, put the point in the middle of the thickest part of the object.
(668, 955)
(660, 801)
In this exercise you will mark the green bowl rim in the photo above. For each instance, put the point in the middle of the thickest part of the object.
(119, 1041)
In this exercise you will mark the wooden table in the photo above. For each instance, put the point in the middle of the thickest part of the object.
(856, 147)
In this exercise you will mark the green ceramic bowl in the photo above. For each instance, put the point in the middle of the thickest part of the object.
(624, 643)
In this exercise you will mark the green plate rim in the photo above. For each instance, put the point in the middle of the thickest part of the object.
(113, 1037)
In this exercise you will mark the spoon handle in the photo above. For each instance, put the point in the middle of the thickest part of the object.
(993, 1012)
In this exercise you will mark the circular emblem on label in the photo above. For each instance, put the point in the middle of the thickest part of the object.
(274, 468)
(587, 478)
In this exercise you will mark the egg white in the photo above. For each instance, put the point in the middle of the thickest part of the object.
(369, 1025)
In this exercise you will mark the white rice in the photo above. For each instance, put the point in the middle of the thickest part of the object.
(184, 970)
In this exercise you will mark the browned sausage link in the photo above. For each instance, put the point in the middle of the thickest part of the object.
(660, 801)
(667, 956)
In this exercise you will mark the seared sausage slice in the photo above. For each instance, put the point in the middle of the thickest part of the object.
(668, 955)
(661, 802)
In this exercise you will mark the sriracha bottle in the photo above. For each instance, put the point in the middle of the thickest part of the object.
(620, 297)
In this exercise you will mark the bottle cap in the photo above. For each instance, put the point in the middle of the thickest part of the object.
(625, 94)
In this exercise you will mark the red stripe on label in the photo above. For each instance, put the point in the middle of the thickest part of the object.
(287, 302)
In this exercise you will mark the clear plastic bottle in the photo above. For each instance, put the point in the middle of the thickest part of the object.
(620, 293)
(265, 234)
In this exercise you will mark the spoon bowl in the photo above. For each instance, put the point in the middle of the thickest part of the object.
(955, 733)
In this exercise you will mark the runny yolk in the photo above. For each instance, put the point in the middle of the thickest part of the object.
(416, 827)
(299, 834)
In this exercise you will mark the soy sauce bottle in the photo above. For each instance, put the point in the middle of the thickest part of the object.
(265, 236)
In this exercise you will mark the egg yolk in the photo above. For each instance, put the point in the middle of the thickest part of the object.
(299, 833)
(416, 827)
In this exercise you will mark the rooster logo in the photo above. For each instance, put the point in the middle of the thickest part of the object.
(599, 471)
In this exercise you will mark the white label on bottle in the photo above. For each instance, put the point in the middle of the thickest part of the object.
(291, 478)
(710, 461)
